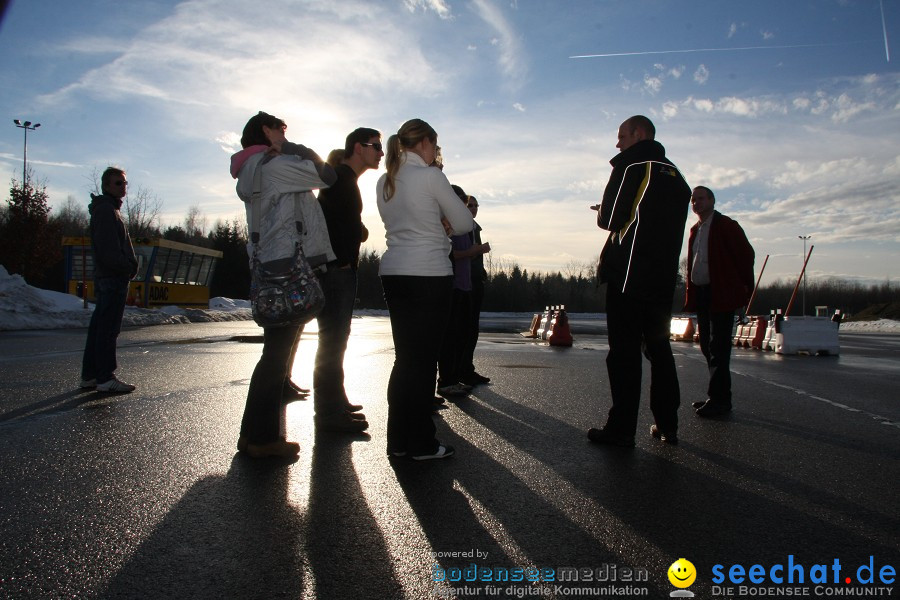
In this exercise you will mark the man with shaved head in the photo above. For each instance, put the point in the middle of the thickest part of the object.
(644, 208)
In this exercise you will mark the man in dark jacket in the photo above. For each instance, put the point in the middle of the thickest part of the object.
(342, 207)
(644, 208)
(114, 266)
(719, 282)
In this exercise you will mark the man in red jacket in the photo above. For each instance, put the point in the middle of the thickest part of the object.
(719, 282)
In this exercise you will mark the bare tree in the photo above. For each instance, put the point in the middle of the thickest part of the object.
(72, 217)
(95, 177)
(195, 222)
(141, 212)
(573, 270)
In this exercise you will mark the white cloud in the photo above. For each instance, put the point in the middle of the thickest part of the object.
(751, 107)
(701, 75)
(31, 161)
(821, 106)
(893, 169)
(718, 177)
(201, 57)
(438, 6)
(843, 212)
(653, 81)
(732, 30)
(847, 108)
(519, 107)
(229, 141)
(652, 84)
(704, 105)
(841, 103)
(834, 171)
(767, 35)
(512, 52)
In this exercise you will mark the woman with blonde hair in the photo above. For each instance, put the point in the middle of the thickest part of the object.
(417, 278)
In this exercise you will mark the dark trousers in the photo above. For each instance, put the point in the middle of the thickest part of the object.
(467, 363)
(638, 326)
(264, 412)
(457, 335)
(418, 308)
(99, 359)
(334, 331)
(716, 331)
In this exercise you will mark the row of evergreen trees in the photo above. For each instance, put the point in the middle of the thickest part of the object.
(30, 246)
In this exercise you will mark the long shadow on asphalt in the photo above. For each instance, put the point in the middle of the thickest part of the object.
(477, 514)
(228, 537)
(58, 403)
(537, 476)
(238, 537)
(345, 548)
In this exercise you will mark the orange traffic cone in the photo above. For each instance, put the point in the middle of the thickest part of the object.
(560, 335)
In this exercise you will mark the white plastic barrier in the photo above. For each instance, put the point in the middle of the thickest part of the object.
(815, 335)
(682, 329)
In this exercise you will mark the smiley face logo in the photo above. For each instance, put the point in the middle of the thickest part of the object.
(682, 573)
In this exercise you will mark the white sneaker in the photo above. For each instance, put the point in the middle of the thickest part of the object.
(115, 386)
(442, 452)
(87, 384)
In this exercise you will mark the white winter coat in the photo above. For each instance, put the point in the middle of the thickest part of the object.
(286, 180)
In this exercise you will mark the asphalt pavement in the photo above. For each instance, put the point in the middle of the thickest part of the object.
(144, 496)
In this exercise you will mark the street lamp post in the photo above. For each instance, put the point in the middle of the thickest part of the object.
(804, 238)
(26, 126)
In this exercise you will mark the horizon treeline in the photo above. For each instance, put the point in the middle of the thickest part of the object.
(30, 245)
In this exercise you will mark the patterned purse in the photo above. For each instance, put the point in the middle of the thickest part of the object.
(285, 291)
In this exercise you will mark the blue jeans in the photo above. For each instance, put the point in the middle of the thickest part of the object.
(419, 307)
(99, 360)
(334, 331)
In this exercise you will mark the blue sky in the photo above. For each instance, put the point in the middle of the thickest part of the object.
(791, 114)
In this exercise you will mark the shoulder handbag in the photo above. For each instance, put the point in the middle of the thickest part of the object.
(285, 291)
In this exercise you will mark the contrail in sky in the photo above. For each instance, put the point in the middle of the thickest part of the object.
(887, 52)
(711, 50)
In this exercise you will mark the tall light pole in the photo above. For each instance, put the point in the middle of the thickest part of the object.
(804, 238)
(26, 126)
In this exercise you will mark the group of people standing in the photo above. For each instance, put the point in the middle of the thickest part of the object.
(644, 208)
(432, 275)
(422, 214)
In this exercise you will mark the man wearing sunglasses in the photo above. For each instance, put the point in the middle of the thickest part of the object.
(342, 206)
(114, 266)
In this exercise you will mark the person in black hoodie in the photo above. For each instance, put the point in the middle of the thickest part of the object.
(644, 208)
(114, 266)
